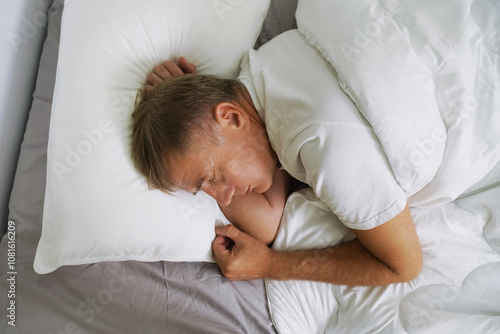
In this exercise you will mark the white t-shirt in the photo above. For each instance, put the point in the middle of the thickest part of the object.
(319, 135)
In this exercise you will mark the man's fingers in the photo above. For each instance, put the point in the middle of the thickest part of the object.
(148, 89)
(224, 241)
(229, 231)
(162, 72)
(153, 79)
(220, 248)
(171, 69)
(186, 66)
(248, 258)
(166, 71)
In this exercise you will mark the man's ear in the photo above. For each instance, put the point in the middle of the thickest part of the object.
(229, 114)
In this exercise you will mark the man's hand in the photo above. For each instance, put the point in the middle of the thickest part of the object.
(239, 255)
(166, 71)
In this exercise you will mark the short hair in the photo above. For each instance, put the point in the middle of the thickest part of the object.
(169, 119)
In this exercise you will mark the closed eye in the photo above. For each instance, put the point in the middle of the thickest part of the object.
(202, 181)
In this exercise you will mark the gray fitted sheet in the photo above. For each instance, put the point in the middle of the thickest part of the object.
(114, 297)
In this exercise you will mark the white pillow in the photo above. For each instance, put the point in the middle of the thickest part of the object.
(97, 207)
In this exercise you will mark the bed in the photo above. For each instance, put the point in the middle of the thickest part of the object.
(458, 290)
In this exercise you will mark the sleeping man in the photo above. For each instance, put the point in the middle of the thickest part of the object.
(201, 133)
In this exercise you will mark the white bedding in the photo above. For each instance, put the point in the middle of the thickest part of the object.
(459, 284)
(413, 68)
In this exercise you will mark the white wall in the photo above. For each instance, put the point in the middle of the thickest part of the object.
(22, 31)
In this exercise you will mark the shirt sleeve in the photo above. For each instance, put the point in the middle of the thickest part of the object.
(348, 170)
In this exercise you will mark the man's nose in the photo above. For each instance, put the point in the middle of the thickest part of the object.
(222, 194)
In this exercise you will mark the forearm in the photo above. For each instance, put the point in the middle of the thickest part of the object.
(348, 264)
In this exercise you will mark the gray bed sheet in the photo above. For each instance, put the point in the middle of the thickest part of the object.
(112, 297)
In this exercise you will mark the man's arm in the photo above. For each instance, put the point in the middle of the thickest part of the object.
(389, 253)
(260, 214)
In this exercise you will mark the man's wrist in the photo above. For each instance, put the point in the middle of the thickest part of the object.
(296, 265)
(280, 267)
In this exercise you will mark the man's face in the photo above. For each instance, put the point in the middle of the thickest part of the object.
(241, 165)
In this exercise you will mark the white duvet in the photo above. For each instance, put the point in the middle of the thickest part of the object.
(426, 76)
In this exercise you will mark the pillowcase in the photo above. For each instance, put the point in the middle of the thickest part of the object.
(97, 207)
